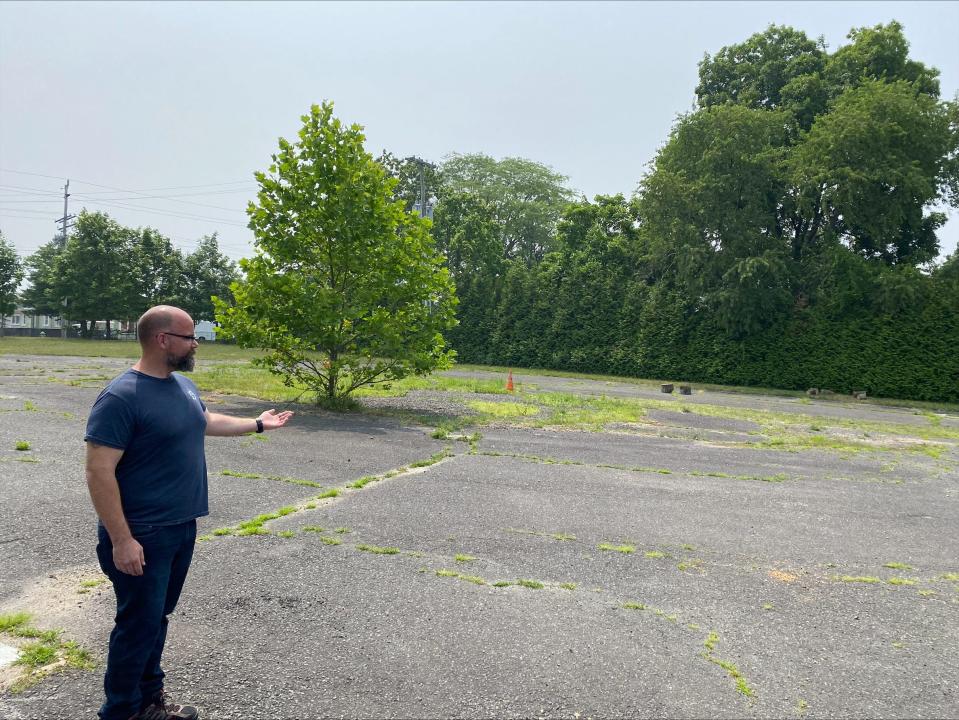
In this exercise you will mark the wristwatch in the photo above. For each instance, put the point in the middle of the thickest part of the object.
(259, 425)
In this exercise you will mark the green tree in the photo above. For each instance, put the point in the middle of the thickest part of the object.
(771, 70)
(157, 273)
(11, 274)
(525, 198)
(42, 296)
(206, 273)
(869, 168)
(96, 272)
(794, 159)
(346, 288)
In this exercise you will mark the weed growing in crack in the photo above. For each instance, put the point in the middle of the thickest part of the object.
(869, 579)
(378, 550)
(625, 549)
(897, 566)
(900, 581)
(475, 579)
(362, 482)
(432, 460)
(531, 584)
(464, 558)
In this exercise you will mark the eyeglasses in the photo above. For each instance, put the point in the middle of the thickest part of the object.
(191, 338)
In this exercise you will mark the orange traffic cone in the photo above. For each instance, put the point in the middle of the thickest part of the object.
(509, 382)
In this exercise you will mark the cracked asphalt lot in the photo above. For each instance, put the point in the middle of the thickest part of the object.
(661, 575)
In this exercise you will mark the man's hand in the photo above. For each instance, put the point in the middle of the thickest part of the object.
(128, 557)
(271, 419)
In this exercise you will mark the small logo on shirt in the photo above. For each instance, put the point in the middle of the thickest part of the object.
(192, 395)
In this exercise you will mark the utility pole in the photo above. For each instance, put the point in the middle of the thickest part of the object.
(65, 220)
(422, 189)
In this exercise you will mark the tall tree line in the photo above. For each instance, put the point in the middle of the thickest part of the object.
(785, 234)
(105, 271)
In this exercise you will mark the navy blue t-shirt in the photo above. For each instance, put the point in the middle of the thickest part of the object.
(160, 425)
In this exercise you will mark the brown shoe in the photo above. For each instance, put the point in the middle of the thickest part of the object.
(160, 708)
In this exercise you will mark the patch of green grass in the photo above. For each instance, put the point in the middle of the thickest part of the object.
(501, 583)
(531, 584)
(768, 606)
(950, 577)
(76, 656)
(475, 579)
(926, 593)
(733, 672)
(898, 566)
(653, 554)
(255, 525)
(625, 549)
(898, 645)
(342, 530)
(310, 506)
(22, 445)
(362, 482)
(25, 631)
(36, 654)
(330, 540)
(29, 406)
(711, 641)
(435, 458)
(237, 474)
(568, 586)
(447, 573)
(858, 579)
(313, 528)
(331, 493)
(633, 606)
(376, 550)
(286, 533)
(900, 581)
(220, 532)
(686, 546)
(92, 583)
(13, 620)
(502, 410)
(562, 536)
(464, 558)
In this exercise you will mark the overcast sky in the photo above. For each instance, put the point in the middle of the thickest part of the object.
(188, 99)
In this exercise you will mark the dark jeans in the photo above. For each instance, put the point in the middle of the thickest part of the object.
(133, 673)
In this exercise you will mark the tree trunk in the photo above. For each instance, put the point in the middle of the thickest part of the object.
(3, 321)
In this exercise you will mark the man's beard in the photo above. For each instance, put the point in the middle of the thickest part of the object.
(182, 364)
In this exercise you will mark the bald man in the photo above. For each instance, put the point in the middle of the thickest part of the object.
(146, 471)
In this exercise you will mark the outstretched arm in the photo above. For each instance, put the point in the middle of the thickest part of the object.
(227, 426)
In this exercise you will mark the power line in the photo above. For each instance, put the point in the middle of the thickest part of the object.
(85, 182)
(169, 213)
